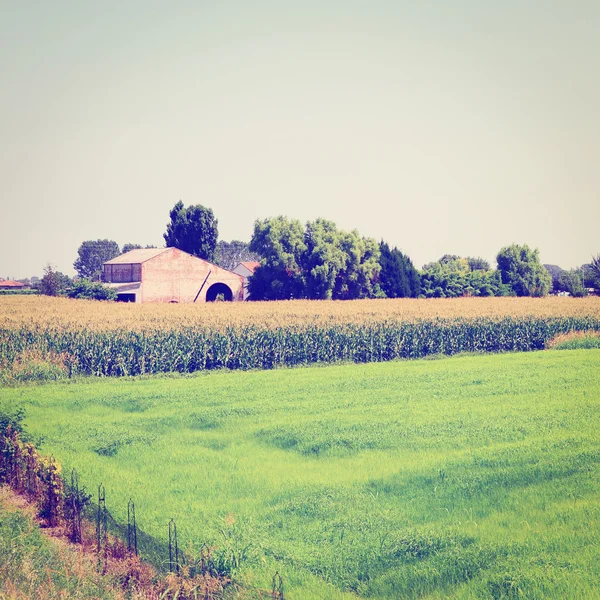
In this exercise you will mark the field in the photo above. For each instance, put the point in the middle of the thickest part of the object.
(465, 477)
(63, 314)
(90, 338)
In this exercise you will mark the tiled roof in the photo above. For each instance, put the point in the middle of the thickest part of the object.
(10, 283)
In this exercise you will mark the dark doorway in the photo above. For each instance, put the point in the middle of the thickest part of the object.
(219, 291)
(126, 298)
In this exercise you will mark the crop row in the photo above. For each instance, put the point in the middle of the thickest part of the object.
(185, 350)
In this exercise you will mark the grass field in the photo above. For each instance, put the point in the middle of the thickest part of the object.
(466, 477)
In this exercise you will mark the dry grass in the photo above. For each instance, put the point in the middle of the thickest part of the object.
(575, 339)
(70, 570)
(62, 313)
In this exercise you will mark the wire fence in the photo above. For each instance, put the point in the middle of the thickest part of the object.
(86, 520)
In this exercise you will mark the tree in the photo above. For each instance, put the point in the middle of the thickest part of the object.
(323, 259)
(520, 268)
(54, 283)
(229, 254)
(92, 255)
(555, 273)
(130, 247)
(279, 242)
(193, 229)
(358, 277)
(453, 276)
(49, 285)
(92, 290)
(572, 282)
(593, 269)
(319, 262)
(398, 277)
(476, 263)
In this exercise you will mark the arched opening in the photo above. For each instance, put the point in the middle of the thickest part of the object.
(219, 291)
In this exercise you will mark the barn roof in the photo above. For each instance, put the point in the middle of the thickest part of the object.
(136, 256)
(251, 266)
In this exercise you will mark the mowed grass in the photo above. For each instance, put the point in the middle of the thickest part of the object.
(465, 477)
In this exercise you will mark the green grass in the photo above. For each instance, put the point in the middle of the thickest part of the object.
(467, 477)
(32, 566)
(576, 342)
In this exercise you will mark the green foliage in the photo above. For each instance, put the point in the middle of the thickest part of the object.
(229, 254)
(478, 263)
(91, 290)
(92, 254)
(280, 243)
(594, 270)
(318, 262)
(452, 276)
(192, 229)
(520, 268)
(555, 272)
(130, 247)
(54, 283)
(25, 292)
(572, 282)
(398, 277)
(463, 478)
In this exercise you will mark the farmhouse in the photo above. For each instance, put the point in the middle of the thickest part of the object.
(246, 269)
(170, 275)
(8, 284)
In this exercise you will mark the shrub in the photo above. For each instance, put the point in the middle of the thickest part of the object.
(90, 290)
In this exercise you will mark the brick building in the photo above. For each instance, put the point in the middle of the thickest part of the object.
(170, 275)
(8, 284)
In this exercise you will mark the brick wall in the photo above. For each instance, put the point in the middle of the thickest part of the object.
(177, 276)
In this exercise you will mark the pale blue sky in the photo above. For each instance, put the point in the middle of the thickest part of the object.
(442, 126)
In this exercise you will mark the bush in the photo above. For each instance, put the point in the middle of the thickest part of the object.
(90, 290)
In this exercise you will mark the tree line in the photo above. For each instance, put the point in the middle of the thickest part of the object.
(317, 260)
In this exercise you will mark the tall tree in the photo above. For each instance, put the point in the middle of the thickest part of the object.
(320, 262)
(192, 229)
(520, 268)
(91, 256)
(572, 282)
(279, 242)
(398, 277)
(593, 269)
(555, 273)
(323, 259)
(54, 283)
(358, 276)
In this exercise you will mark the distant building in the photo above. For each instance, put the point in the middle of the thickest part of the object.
(9, 284)
(246, 270)
(170, 275)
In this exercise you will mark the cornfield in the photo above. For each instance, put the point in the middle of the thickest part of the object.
(124, 339)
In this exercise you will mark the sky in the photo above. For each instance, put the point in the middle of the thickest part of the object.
(440, 126)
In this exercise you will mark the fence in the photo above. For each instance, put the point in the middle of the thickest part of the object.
(67, 504)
